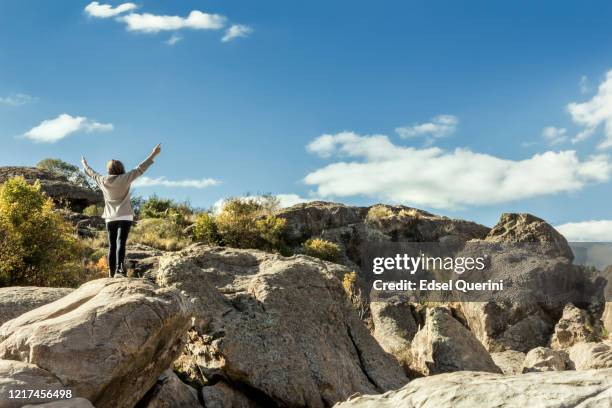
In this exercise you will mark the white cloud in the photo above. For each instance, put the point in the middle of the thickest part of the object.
(554, 135)
(174, 38)
(236, 31)
(587, 231)
(145, 181)
(444, 179)
(595, 112)
(152, 23)
(440, 126)
(16, 100)
(52, 130)
(95, 9)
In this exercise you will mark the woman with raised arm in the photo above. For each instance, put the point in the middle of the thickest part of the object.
(118, 212)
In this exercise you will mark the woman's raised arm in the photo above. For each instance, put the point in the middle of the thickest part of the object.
(142, 167)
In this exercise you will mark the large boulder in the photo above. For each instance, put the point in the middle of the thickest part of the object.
(585, 389)
(16, 300)
(281, 329)
(107, 341)
(587, 356)
(529, 229)
(170, 392)
(58, 187)
(534, 262)
(575, 326)
(544, 359)
(16, 376)
(445, 345)
(395, 324)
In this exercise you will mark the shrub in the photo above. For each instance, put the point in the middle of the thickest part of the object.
(249, 223)
(156, 207)
(322, 249)
(37, 247)
(378, 212)
(243, 223)
(93, 211)
(205, 230)
(271, 229)
(159, 233)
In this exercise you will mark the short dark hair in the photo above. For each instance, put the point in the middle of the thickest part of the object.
(115, 168)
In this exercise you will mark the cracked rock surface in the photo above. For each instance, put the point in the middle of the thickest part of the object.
(279, 330)
(466, 389)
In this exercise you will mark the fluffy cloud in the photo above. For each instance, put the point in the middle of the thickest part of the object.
(52, 130)
(145, 181)
(152, 23)
(595, 112)
(444, 179)
(236, 31)
(554, 135)
(155, 23)
(587, 231)
(95, 9)
(440, 126)
(16, 100)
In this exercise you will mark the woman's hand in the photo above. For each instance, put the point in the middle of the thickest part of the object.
(156, 150)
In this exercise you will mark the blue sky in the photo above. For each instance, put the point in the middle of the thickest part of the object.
(252, 112)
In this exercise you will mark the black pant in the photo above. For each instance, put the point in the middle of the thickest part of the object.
(118, 232)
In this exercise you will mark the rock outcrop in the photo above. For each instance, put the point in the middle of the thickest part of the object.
(534, 261)
(351, 227)
(445, 345)
(16, 300)
(281, 330)
(585, 389)
(58, 187)
(529, 229)
(544, 359)
(107, 341)
(575, 326)
(587, 356)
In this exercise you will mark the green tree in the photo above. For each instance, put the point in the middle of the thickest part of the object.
(70, 171)
(37, 246)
